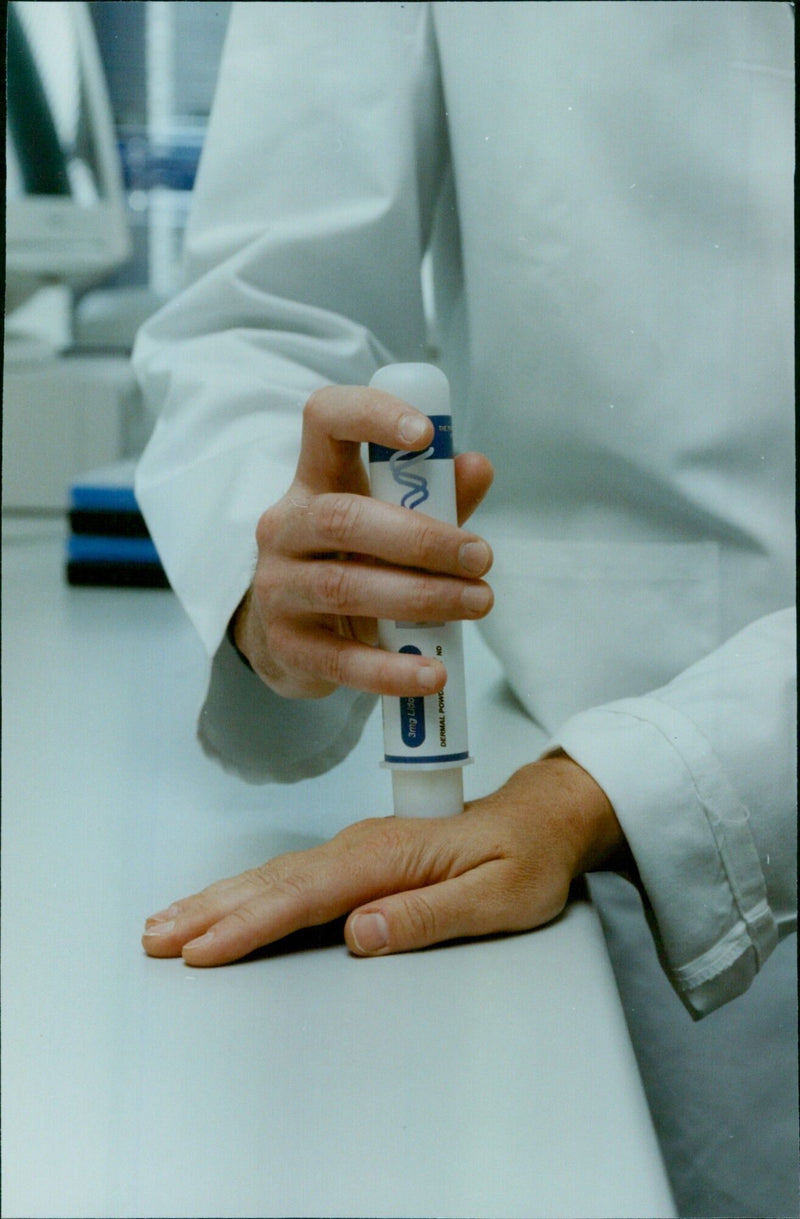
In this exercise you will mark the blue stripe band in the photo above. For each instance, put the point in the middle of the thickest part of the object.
(442, 757)
(442, 443)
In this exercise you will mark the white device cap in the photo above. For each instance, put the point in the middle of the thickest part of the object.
(421, 385)
(428, 793)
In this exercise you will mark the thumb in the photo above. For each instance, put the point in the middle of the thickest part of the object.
(474, 475)
(468, 905)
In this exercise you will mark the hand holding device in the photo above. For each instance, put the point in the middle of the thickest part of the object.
(332, 560)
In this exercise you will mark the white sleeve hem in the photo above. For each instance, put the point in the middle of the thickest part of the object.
(264, 738)
(690, 835)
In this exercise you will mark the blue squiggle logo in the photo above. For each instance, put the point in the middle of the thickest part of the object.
(401, 464)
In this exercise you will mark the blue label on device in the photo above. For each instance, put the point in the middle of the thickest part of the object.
(412, 713)
(440, 447)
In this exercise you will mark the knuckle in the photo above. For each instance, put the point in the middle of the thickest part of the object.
(278, 636)
(278, 885)
(267, 529)
(315, 406)
(261, 880)
(386, 842)
(360, 832)
(338, 518)
(282, 647)
(319, 408)
(243, 916)
(334, 586)
(428, 543)
(401, 850)
(423, 597)
(275, 661)
(381, 674)
(379, 837)
(272, 882)
(376, 411)
(280, 529)
(333, 666)
(421, 918)
(265, 590)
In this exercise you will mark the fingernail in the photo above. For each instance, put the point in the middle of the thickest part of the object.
(427, 677)
(370, 932)
(201, 941)
(412, 427)
(170, 912)
(162, 928)
(474, 557)
(476, 598)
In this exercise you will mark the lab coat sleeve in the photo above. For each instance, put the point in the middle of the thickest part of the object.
(701, 774)
(312, 209)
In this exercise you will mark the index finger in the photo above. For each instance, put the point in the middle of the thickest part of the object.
(338, 419)
(366, 861)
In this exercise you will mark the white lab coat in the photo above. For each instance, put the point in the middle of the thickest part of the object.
(607, 194)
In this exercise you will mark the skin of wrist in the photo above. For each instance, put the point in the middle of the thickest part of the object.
(598, 841)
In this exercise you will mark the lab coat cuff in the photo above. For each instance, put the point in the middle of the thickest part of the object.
(262, 737)
(689, 833)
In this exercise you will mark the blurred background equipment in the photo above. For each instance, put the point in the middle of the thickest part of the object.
(105, 123)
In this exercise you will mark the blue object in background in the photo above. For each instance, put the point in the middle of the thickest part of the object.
(95, 548)
(109, 544)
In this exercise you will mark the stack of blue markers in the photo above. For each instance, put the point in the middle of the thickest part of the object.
(109, 543)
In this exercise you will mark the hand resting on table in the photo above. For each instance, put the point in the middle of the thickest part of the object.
(504, 864)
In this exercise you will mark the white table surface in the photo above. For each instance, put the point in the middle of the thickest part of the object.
(487, 1078)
